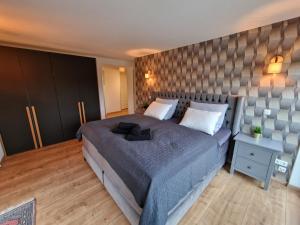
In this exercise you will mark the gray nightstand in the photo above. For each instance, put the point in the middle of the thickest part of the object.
(255, 157)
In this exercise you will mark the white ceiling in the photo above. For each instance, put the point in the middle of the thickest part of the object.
(127, 28)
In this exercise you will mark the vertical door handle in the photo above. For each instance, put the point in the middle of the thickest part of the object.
(80, 113)
(3, 147)
(31, 127)
(83, 112)
(37, 127)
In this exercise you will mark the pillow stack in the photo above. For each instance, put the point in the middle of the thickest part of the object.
(162, 109)
(157, 110)
(200, 120)
(172, 102)
(222, 108)
(205, 117)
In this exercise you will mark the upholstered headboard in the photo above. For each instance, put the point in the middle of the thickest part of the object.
(233, 114)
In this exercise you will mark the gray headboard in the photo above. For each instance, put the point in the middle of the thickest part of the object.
(233, 114)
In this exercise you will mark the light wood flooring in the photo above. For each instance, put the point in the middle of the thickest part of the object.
(123, 112)
(68, 193)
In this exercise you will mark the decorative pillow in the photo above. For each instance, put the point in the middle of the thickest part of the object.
(157, 110)
(202, 120)
(212, 108)
(172, 102)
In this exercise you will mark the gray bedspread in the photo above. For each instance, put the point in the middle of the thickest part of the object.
(158, 172)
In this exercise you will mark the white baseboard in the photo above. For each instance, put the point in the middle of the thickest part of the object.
(293, 187)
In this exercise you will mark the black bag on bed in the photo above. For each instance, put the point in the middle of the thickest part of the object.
(124, 128)
(133, 131)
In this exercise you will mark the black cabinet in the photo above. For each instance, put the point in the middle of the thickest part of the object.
(44, 97)
(77, 90)
(66, 82)
(14, 122)
(37, 73)
(88, 89)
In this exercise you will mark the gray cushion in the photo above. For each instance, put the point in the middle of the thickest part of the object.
(212, 108)
(172, 102)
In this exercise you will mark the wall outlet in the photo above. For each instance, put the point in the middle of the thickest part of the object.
(281, 169)
(267, 112)
(281, 162)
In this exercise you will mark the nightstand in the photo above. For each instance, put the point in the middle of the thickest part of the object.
(255, 157)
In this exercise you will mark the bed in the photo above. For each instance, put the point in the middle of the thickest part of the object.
(156, 182)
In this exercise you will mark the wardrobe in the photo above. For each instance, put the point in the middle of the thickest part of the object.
(44, 97)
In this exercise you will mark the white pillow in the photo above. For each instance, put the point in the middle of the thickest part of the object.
(157, 110)
(202, 120)
(173, 102)
(222, 108)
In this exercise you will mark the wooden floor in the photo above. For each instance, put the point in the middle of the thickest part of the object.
(123, 112)
(68, 192)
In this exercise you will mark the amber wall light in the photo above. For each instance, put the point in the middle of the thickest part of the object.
(275, 65)
(122, 69)
(147, 75)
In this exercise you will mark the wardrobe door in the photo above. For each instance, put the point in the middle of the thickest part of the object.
(88, 88)
(37, 73)
(14, 124)
(67, 88)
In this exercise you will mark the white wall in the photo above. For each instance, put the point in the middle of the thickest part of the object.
(102, 61)
(130, 89)
(295, 176)
(112, 89)
(123, 91)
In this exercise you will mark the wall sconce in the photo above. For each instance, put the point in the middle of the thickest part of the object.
(147, 75)
(275, 65)
(122, 69)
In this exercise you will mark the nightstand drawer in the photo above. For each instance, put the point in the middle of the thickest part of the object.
(251, 168)
(256, 154)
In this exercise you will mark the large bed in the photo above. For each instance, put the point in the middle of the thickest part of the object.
(157, 181)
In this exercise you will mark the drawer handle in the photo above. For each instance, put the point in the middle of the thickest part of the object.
(249, 167)
(252, 154)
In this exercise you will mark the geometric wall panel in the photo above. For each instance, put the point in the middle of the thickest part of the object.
(236, 65)
(294, 71)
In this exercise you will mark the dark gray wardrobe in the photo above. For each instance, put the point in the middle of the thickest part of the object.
(44, 97)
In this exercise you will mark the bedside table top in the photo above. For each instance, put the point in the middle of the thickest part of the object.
(262, 142)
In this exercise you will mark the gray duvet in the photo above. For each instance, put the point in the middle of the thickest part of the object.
(158, 172)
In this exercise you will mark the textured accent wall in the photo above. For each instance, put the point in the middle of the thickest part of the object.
(236, 65)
